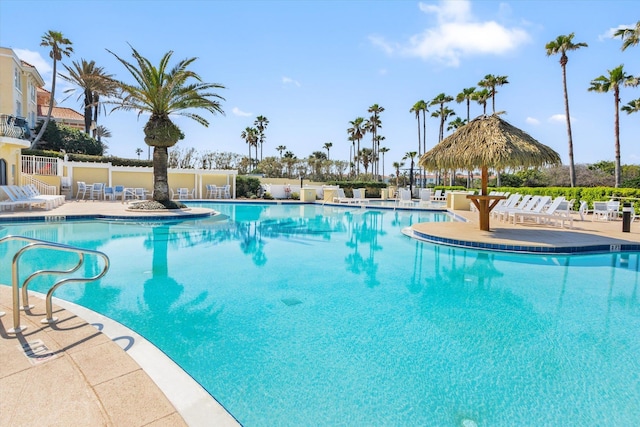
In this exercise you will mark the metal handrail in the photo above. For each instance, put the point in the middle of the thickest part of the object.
(35, 244)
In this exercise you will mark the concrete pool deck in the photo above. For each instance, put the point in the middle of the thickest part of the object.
(75, 372)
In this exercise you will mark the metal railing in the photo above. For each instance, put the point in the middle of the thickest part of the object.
(15, 277)
(39, 165)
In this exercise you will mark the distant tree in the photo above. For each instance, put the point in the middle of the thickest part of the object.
(357, 131)
(327, 146)
(397, 166)
(138, 152)
(410, 156)
(612, 82)
(102, 132)
(60, 46)
(630, 36)
(383, 150)
(456, 123)
(466, 96)
(261, 124)
(421, 107)
(563, 44)
(481, 97)
(280, 149)
(373, 124)
(366, 156)
(250, 136)
(443, 113)
(632, 106)
(490, 82)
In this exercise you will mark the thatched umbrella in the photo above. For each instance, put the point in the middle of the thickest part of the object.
(488, 142)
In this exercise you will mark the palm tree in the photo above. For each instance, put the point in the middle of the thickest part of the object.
(138, 152)
(383, 150)
(562, 44)
(443, 113)
(373, 124)
(420, 106)
(289, 159)
(102, 132)
(87, 77)
(366, 157)
(327, 146)
(603, 84)
(261, 124)
(379, 139)
(490, 82)
(466, 95)
(481, 97)
(250, 136)
(280, 149)
(632, 106)
(630, 36)
(357, 131)
(410, 155)
(60, 46)
(162, 92)
(456, 123)
(397, 166)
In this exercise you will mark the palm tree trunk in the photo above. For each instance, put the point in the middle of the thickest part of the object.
(572, 169)
(46, 120)
(617, 132)
(160, 180)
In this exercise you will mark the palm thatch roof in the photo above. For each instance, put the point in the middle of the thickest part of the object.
(488, 141)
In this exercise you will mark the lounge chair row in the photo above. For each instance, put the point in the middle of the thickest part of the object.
(28, 196)
(358, 196)
(517, 208)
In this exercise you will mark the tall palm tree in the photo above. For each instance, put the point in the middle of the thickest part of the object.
(383, 150)
(161, 92)
(612, 82)
(327, 146)
(410, 156)
(397, 166)
(630, 36)
(563, 44)
(466, 95)
(280, 149)
(250, 136)
(379, 139)
(420, 107)
(60, 46)
(443, 112)
(261, 124)
(102, 132)
(357, 131)
(481, 97)
(93, 81)
(491, 82)
(373, 124)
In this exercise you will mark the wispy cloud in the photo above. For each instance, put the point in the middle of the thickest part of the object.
(611, 31)
(35, 59)
(532, 121)
(457, 34)
(289, 80)
(558, 118)
(239, 112)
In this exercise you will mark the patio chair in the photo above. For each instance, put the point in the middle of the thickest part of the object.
(97, 191)
(109, 193)
(614, 209)
(359, 195)
(583, 210)
(82, 189)
(140, 193)
(601, 211)
(226, 191)
(118, 191)
(212, 191)
(183, 193)
(554, 212)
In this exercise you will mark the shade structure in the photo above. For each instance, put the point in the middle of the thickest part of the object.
(488, 142)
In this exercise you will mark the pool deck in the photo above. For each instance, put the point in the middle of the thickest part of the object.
(87, 367)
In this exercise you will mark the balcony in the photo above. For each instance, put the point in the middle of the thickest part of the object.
(14, 127)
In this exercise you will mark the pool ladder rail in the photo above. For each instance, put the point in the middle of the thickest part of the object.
(44, 244)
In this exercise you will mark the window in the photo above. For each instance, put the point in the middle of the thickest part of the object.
(18, 108)
(17, 80)
(32, 92)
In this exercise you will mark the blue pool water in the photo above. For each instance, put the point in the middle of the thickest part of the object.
(310, 315)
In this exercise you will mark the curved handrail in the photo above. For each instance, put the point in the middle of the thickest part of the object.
(35, 244)
(25, 284)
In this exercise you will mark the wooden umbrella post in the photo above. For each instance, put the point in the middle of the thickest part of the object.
(484, 202)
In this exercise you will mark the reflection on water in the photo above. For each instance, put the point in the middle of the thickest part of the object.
(330, 314)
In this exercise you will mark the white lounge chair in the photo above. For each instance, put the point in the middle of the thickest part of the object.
(425, 196)
(505, 204)
(601, 211)
(404, 197)
(538, 205)
(342, 198)
(32, 192)
(554, 212)
(439, 196)
(18, 197)
(359, 195)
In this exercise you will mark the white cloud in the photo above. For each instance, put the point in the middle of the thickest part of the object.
(34, 58)
(239, 112)
(457, 35)
(289, 80)
(609, 33)
(559, 118)
(383, 71)
(532, 121)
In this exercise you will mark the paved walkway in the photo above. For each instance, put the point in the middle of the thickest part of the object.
(71, 373)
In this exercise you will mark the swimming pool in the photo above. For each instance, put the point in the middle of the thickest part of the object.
(308, 315)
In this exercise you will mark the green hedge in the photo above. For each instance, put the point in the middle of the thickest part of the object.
(115, 161)
(372, 188)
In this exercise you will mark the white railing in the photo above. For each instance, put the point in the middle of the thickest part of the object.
(42, 187)
(39, 165)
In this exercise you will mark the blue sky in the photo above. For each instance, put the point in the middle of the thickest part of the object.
(311, 67)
